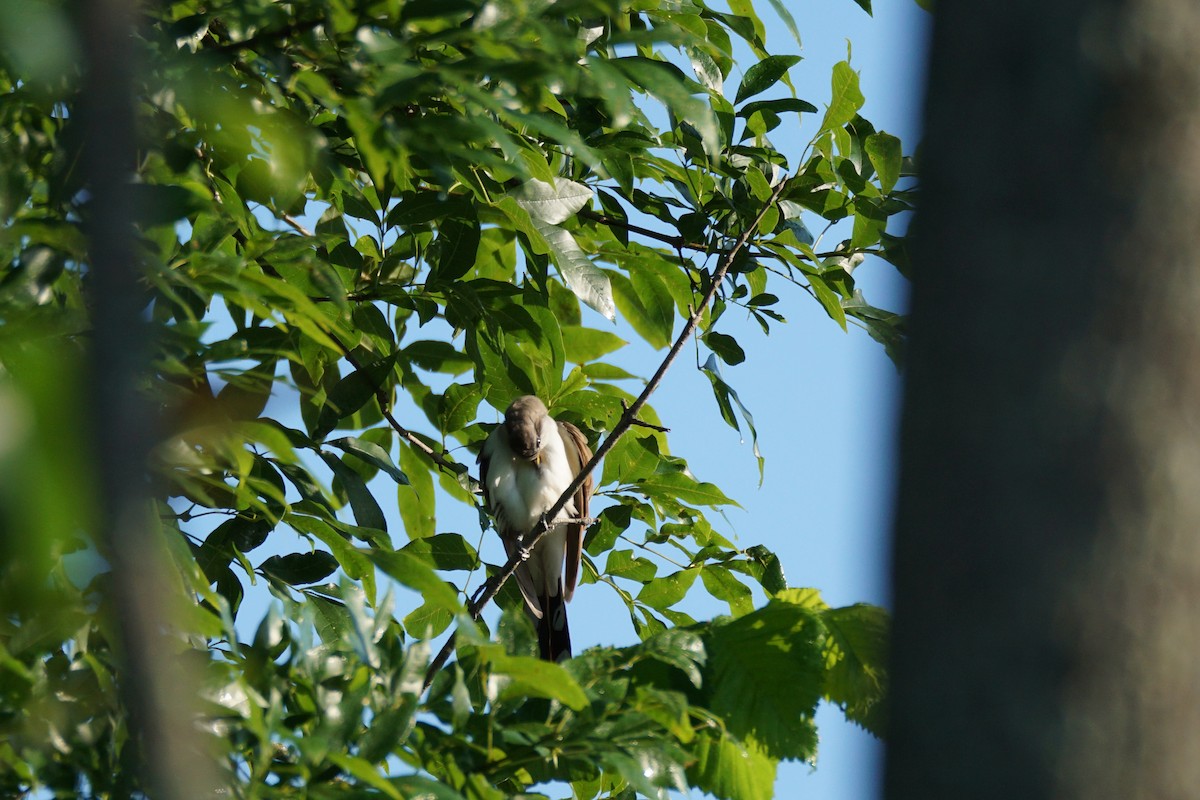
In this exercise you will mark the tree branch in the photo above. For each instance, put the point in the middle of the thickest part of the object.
(627, 420)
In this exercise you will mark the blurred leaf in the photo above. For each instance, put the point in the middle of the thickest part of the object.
(416, 574)
(534, 677)
(443, 551)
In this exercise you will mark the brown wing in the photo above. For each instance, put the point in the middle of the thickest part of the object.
(578, 453)
(523, 578)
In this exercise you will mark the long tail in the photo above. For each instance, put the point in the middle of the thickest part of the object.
(554, 636)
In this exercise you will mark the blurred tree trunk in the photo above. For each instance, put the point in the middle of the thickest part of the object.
(1047, 555)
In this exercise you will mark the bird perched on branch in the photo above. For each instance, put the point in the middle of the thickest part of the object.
(525, 465)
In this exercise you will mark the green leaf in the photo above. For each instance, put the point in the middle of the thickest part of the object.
(771, 578)
(356, 565)
(428, 620)
(631, 459)
(680, 648)
(730, 769)
(673, 89)
(624, 564)
(458, 406)
(455, 249)
(524, 676)
(883, 150)
(367, 512)
(589, 283)
(351, 393)
(726, 399)
(856, 652)
(587, 344)
(330, 618)
(366, 772)
(724, 585)
(416, 786)
(443, 551)
(648, 307)
(763, 75)
(828, 299)
(437, 357)
(552, 203)
(748, 658)
(371, 453)
(725, 346)
(777, 106)
(300, 568)
(784, 14)
(416, 574)
(668, 590)
(846, 98)
(678, 486)
(417, 499)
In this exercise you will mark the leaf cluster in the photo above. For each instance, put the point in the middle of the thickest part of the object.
(351, 212)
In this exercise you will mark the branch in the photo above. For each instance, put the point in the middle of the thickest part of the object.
(622, 426)
(666, 238)
(295, 223)
(680, 243)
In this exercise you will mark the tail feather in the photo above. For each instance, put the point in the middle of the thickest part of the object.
(554, 636)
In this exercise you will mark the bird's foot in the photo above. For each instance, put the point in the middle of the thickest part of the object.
(523, 551)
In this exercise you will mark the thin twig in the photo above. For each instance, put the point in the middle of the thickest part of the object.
(295, 223)
(644, 424)
(627, 420)
(439, 458)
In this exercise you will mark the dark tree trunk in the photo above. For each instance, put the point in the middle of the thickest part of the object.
(1047, 555)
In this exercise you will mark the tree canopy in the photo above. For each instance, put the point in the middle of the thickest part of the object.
(361, 229)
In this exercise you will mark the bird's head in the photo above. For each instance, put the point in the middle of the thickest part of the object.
(523, 422)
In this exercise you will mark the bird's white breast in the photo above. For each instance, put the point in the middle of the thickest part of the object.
(526, 490)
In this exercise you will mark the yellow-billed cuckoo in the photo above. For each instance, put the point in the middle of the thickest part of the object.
(525, 465)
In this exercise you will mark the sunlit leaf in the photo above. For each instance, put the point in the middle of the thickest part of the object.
(589, 283)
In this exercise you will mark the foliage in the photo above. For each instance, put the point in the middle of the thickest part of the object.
(346, 208)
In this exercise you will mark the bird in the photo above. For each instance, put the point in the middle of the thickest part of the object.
(525, 465)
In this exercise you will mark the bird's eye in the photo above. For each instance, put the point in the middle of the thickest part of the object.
(538, 444)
